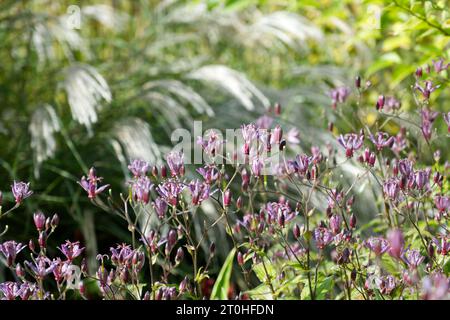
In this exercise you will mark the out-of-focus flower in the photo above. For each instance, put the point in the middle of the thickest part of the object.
(71, 249)
(335, 223)
(439, 65)
(442, 245)
(264, 122)
(277, 134)
(392, 104)
(13, 290)
(381, 140)
(21, 191)
(293, 136)
(10, 249)
(226, 198)
(139, 167)
(339, 95)
(385, 284)
(377, 245)
(426, 89)
(447, 120)
(422, 178)
(435, 287)
(391, 188)
(212, 143)
(413, 258)
(209, 173)
(400, 141)
(442, 204)
(301, 164)
(351, 142)
(396, 243)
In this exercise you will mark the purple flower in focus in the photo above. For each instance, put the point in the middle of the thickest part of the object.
(141, 188)
(71, 249)
(351, 142)
(10, 249)
(41, 267)
(422, 178)
(160, 207)
(21, 191)
(301, 163)
(90, 184)
(199, 192)
(139, 167)
(209, 173)
(377, 245)
(391, 188)
(169, 191)
(322, 236)
(176, 163)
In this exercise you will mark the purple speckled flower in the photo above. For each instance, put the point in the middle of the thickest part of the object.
(199, 192)
(21, 191)
(381, 140)
(413, 258)
(139, 167)
(10, 249)
(140, 189)
(391, 188)
(322, 236)
(160, 207)
(377, 245)
(176, 163)
(351, 142)
(442, 245)
(14, 290)
(209, 173)
(442, 204)
(90, 184)
(426, 89)
(169, 191)
(41, 267)
(71, 249)
(335, 223)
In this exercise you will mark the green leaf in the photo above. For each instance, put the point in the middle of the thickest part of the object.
(220, 289)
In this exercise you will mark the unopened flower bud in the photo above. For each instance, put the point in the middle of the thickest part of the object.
(380, 102)
(227, 198)
(240, 259)
(183, 285)
(352, 221)
(55, 221)
(239, 202)
(39, 220)
(179, 256)
(163, 171)
(430, 250)
(42, 239)
(172, 238)
(212, 249)
(155, 171)
(277, 109)
(19, 271)
(358, 82)
(419, 72)
(31, 245)
(296, 231)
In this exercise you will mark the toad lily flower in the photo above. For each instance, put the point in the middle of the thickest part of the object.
(426, 89)
(21, 191)
(141, 188)
(381, 140)
(339, 95)
(199, 192)
(351, 142)
(10, 249)
(439, 65)
(377, 245)
(90, 185)
(71, 249)
(139, 168)
(175, 163)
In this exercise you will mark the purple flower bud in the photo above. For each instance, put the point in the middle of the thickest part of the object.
(55, 221)
(296, 231)
(172, 238)
(277, 108)
(42, 240)
(163, 171)
(352, 221)
(419, 72)
(380, 102)
(31, 245)
(19, 271)
(358, 82)
(240, 259)
(39, 220)
(396, 242)
(179, 256)
(227, 198)
(335, 223)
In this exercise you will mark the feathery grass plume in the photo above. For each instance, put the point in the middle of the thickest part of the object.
(233, 82)
(183, 92)
(106, 15)
(291, 29)
(136, 141)
(43, 125)
(85, 88)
